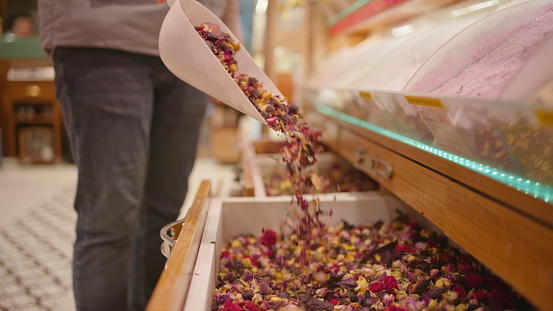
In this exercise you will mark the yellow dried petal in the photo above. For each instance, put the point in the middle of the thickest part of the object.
(350, 257)
(247, 263)
(362, 285)
(266, 95)
(316, 180)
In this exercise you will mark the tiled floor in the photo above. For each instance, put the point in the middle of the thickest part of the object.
(37, 230)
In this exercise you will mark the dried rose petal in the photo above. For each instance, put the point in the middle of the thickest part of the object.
(269, 238)
(250, 306)
(394, 308)
(376, 287)
(229, 306)
(473, 280)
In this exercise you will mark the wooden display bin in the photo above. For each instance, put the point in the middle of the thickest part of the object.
(263, 166)
(194, 244)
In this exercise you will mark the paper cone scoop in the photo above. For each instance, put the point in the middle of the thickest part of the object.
(185, 53)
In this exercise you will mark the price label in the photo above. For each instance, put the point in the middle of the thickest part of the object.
(424, 101)
(545, 117)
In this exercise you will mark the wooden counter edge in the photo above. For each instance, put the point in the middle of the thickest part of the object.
(172, 286)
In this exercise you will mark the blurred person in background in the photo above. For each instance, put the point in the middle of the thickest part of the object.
(21, 25)
(133, 129)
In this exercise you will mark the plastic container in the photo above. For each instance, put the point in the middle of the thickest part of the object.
(449, 70)
(533, 77)
(393, 72)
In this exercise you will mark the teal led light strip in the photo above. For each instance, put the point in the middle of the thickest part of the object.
(535, 189)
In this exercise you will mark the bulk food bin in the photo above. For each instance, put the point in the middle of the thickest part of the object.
(193, 245)
(507, 239)
(481, 60)
(338, 176)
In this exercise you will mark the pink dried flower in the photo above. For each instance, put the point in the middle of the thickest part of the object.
(334, 301)
(421, 246)
(394, 308)
(321, 291)
(388, 298)
(237, 287)
(412, 304)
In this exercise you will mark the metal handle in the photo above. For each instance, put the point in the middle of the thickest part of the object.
(169, 234)
(373, 164)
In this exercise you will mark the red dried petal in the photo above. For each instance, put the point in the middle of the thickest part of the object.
(390, 283)
(473, 280)
(269, 238)
(225, 254)
(376, 287)
(250, 306)
(481, 296)
(229, 306)
(460, 291)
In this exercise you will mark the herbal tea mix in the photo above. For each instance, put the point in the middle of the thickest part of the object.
(393, 265)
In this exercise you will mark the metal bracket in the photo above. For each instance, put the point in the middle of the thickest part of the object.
(373, 164)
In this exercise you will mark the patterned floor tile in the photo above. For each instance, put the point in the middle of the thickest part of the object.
(35, 256)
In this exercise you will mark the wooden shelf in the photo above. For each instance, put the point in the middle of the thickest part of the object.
(33, 95)
(35, 120)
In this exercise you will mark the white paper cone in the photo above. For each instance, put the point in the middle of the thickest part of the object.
(185, 53)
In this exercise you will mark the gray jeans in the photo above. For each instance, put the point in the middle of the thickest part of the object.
(133, 129)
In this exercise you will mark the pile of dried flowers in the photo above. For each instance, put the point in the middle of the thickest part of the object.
(302, 144)
(389, 266)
